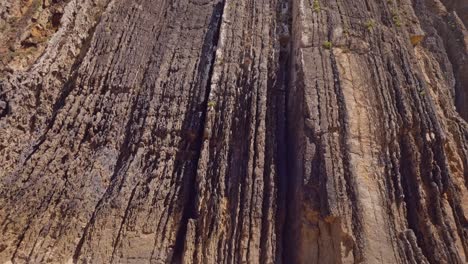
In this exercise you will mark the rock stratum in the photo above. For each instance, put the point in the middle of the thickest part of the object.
(233, 131)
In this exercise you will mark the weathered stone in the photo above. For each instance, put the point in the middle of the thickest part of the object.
(210, 131)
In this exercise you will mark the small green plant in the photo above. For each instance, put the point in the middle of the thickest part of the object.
(211, 104)
(316, 6)
(327, 45)
(369, 24)
(396, 19)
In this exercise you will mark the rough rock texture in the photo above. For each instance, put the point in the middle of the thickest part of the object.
(201, 131)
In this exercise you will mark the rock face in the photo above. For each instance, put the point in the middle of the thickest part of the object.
(202, 131)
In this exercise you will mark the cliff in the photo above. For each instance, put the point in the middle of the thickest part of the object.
(233, 131)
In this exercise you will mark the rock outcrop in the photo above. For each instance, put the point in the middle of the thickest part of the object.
(229, 131)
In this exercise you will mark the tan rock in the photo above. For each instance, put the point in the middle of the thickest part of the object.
(227, 132)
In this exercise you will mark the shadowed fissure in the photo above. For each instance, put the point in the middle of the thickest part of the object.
(189, 188)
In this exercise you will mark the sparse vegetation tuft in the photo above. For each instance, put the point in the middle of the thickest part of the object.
(369, 24)
(396, 19)
(316, 6)
(211, 104)
(327, 45)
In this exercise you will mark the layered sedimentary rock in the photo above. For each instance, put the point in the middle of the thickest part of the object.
(204, 131)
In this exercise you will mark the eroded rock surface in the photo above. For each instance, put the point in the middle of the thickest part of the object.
(203, 131)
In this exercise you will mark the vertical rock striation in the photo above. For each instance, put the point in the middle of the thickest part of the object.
(229, 131)
(376, 138)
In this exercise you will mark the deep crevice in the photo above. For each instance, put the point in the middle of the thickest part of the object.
(288, 183)
(190, 190)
